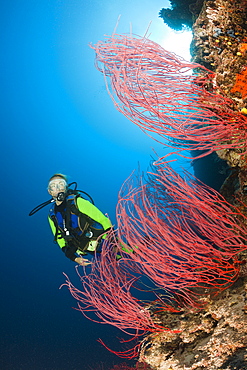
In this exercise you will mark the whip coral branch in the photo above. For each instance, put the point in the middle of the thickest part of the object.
(106, 293)
(186, 235)
(154, 88)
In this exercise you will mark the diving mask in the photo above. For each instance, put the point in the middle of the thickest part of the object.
(57, 186)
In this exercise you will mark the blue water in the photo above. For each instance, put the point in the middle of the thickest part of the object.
(56, 116)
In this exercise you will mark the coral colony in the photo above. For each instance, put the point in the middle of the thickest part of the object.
(179, 233)
(182, 235)
(156, 90)
(186, 233)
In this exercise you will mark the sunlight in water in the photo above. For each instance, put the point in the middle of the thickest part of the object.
(178, 43)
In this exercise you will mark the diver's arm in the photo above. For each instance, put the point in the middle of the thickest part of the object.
(93, 212)
(82, 261)
(60, 241)
(69, 251)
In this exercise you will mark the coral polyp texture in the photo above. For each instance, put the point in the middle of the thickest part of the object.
(214, 338)
(241, 83)
(219, 43)
(164, 94)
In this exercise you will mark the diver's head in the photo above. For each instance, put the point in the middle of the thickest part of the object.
(57, 187)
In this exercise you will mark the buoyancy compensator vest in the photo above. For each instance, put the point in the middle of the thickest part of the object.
(74, 226)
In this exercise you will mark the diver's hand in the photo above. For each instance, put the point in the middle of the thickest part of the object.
(82, 261)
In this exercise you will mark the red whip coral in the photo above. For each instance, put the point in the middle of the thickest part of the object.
(124, 366)
(154, 88)
(179, 233)
(138, 366)
(187, 234)
(106, 293)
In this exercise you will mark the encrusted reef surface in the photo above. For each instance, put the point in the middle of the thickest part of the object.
(220, 44)
(212, 338)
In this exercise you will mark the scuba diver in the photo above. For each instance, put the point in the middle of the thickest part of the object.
(78, 226)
